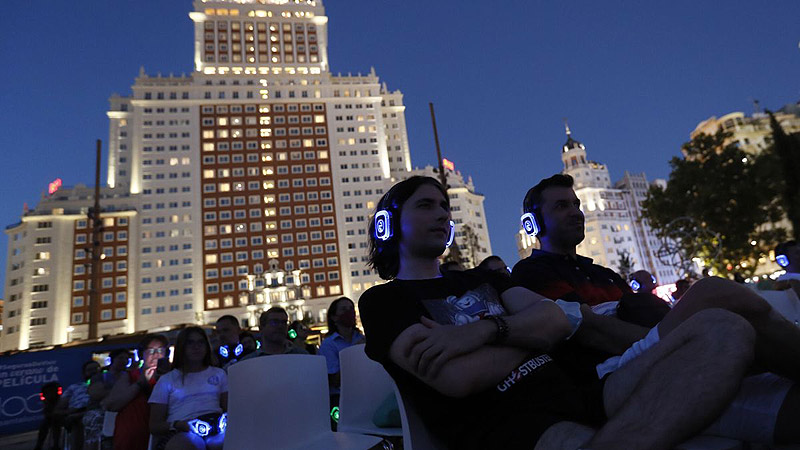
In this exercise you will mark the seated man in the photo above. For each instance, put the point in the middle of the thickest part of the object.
(228, 330)
(558, 272)
(471, 352)
(274, 328)
(645, 309)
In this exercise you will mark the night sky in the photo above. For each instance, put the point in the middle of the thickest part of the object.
(633, 78)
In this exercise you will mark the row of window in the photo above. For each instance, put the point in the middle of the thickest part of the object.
(121, 266)
(161, 294)
(106, 314)
(107, 283)
(276, 108)
(254, 145)
(240, 186)
(121, 250)
(109, 236)
(162, 309)
(106, 298)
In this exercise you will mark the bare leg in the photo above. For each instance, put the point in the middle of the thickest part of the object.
(778, 340)
(679, 386)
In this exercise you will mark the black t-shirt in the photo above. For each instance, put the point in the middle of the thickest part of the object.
(515, 412)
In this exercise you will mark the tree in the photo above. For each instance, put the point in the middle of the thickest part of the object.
(784, 156)
(625, 264)
(719, 187)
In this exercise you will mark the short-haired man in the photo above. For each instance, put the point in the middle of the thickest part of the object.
(228, 329)
(130, 394)
(495, 264)
(557, 271)
(273, 325)
(471, 351)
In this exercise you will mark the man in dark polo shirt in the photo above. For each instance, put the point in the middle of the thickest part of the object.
(557, 272)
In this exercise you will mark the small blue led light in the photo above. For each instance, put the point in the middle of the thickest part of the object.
(200, 427)
(635, 286)
(238, 350)
(782, 260)
(130, 361)
(223, 351)
(383, 225)
(529, 224)
(258, 344)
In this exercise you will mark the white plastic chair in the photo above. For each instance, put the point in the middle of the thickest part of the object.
(365, 385)
(415, 434)
(281, 402)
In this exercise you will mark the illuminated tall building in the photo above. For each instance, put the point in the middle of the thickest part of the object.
(250, 181)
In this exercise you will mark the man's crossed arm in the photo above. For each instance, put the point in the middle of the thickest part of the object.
(458, 360)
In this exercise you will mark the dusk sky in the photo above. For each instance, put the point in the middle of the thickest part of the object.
(633, 78)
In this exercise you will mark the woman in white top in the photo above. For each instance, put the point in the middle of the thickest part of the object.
(188, 404)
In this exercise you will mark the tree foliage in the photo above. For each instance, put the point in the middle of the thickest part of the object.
(724, 190)
(784, 161)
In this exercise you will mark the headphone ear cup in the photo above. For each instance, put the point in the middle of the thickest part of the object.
(537, 215)
(384, 228)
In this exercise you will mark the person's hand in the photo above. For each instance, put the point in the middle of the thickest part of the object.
(445, 342)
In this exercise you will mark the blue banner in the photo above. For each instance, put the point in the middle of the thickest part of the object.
(21, 379)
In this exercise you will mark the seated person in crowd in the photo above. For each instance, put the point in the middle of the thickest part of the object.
(496, 264)
(342, 333)
(470, 351)
(787, 255)
(274, 328)
(72, 404)
(301, 332)
(645, 309)
(188, 403)
(681, 286)
(558, 272)
(249, 343)
(130, 394)
(228, 330)
(99, 387)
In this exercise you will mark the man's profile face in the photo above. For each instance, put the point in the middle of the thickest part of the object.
(228, 332)
(563, 218)
(425, 223)
(275, 327)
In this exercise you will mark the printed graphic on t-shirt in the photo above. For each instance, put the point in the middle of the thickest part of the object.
(468, 308)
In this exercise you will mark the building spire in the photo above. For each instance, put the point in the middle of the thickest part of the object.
(566, 127)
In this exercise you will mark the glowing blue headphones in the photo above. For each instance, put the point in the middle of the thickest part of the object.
(384, 229)
(636, 286)
(202, 428)
(225, 352)
(782, 260)
(530, 224)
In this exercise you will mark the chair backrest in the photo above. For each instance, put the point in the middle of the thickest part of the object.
(109, 422)
(365, 385)
(415, 434)
(278, 401)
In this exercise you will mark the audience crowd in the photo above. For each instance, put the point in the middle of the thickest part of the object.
(556, 353)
